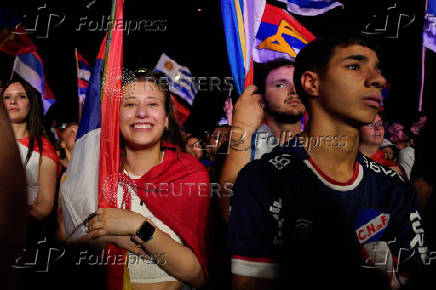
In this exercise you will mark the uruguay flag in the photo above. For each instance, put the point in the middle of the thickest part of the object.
(29, 66)
(429, 36)
(83, 74)
(180, 79)
(310, 7)
(13, 37)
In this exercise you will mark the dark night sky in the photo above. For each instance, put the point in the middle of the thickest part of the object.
(191, 33)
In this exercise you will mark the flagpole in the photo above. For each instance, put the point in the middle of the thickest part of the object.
(77, 76)
(12, 71)
(421, 91)
(108, 43)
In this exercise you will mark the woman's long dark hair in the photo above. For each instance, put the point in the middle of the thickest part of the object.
(34, 118)
(172, 133)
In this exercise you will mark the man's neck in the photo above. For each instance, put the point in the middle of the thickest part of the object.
(284, 131)
(368, 150)
(139, 162)
(332, 145)
(20, 130)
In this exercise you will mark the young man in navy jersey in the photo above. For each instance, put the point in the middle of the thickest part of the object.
(316, 213)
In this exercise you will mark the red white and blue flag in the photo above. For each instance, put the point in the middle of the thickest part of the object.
(30, 67)
(83, 74)
(13, 38)
(79, 189)
(92, 175)
(96, 153)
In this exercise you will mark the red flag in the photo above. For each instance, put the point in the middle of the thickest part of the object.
(181, 112)
(13, 37)
(109, 138)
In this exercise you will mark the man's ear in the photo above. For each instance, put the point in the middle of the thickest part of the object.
(310, 83)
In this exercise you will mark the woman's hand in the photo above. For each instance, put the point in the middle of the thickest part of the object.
(114, 221)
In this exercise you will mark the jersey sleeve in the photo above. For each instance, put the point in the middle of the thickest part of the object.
(409, 245)
(252, 228)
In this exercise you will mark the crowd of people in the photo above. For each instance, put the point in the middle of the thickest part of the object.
(306, 187)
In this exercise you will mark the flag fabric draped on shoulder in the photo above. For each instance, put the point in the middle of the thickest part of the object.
(311, 7)
(279, 35)
(180, 79)
(83, 75)
(30, 67)
(241, 20)
(13, 37)
(429, 35)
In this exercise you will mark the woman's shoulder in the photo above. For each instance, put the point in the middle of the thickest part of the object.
(48, 150)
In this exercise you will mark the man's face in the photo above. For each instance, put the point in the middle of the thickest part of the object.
(373, 133)
(281, 99)
(397, 134)
(351, 86)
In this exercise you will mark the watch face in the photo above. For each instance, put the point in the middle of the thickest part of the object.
(145, 232)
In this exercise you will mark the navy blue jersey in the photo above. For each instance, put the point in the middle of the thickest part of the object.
(285, 209)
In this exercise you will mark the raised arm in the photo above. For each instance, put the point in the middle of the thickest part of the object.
(247, 118)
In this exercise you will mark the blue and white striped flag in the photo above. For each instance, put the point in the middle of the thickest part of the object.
(310, 7)
(180, 79)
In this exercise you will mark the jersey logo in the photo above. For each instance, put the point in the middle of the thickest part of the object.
(281, 161)
(374, 166)
(371, 225)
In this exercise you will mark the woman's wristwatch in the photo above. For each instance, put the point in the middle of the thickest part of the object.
(145, 232)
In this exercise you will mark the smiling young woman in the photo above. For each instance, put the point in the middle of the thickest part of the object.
(158, 214)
